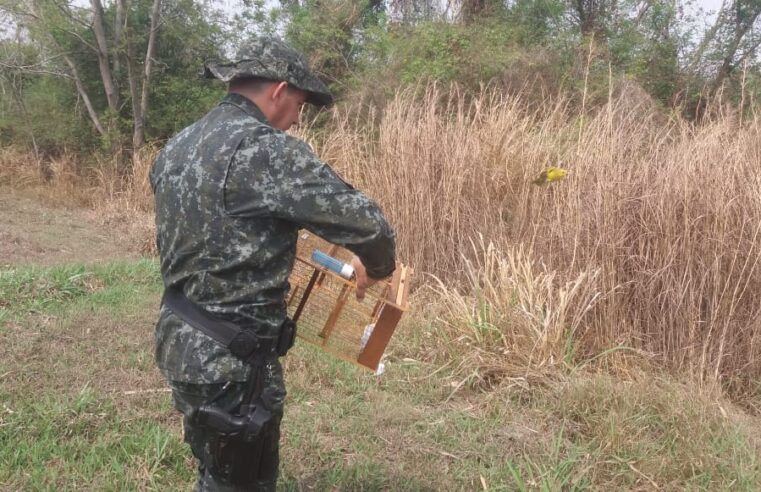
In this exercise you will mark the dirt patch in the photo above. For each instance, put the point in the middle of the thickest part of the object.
(32, 231)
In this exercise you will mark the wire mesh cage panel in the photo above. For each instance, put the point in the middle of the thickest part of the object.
(328, 314)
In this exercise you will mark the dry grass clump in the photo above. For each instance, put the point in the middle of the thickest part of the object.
(132, 187)
(126, 203)
(663, 215)
(58, 179)
(120, 199)
(511, 318)
(19, 169)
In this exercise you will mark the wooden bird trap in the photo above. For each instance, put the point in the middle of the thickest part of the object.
(328, 314)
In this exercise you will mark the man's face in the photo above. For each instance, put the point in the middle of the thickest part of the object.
(286, 108)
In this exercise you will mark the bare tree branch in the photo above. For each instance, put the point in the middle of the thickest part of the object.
(85, 98)
(70, 15)
(708, 38)
(77, 36)
(132, 78)
(31, 69)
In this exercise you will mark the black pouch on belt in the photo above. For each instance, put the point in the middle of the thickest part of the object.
(287, 337)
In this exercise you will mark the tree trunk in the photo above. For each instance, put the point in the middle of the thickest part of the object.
(118, 32)
(138, 139)
(742, 27)
(134, 90)
(471, 9)
(106, 76)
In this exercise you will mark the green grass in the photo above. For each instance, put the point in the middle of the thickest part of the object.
(82, 443)
(83, 408)
(31, 290)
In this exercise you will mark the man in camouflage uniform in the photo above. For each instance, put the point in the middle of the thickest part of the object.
(232, 191)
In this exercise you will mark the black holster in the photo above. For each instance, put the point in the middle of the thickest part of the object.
(244, 427)
(242, 442)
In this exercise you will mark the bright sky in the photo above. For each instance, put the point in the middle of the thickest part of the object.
(710, 5)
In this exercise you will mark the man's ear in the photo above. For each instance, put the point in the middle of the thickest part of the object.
(280, 90)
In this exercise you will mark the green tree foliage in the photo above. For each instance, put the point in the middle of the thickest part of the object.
(534, 22)
(62, 58)
(191, 36)
(332, 33)
(731, 43)
(34, 107)
(54, 93)
(445, 52)
(644, 45)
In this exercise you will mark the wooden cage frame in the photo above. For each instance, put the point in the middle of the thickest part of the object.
(324, 306)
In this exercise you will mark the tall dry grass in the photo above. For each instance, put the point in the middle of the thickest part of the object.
(59, 179)
(660, 218)
(120, 201)
(125, 202)
(651, 244)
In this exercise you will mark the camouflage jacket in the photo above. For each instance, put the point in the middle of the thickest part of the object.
(231, 194)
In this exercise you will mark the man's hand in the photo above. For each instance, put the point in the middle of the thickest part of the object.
(360, 274)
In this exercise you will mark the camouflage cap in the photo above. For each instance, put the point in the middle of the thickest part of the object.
(272, 59)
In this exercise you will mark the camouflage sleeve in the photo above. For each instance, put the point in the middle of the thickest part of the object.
(276, 175)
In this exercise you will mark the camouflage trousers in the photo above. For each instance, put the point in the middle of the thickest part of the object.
(247, 466)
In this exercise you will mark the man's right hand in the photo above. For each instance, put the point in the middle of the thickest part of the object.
(360, 275)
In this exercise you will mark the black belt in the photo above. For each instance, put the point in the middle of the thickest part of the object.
(242, 343)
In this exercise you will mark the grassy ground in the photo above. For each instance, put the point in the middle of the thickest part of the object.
(82, 408)
(33, 233)
(646, 256)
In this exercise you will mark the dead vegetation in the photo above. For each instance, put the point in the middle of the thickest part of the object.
(650, 246)
(121, 203)
(648, 251)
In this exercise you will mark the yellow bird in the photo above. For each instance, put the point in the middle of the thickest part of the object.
(550, 175)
